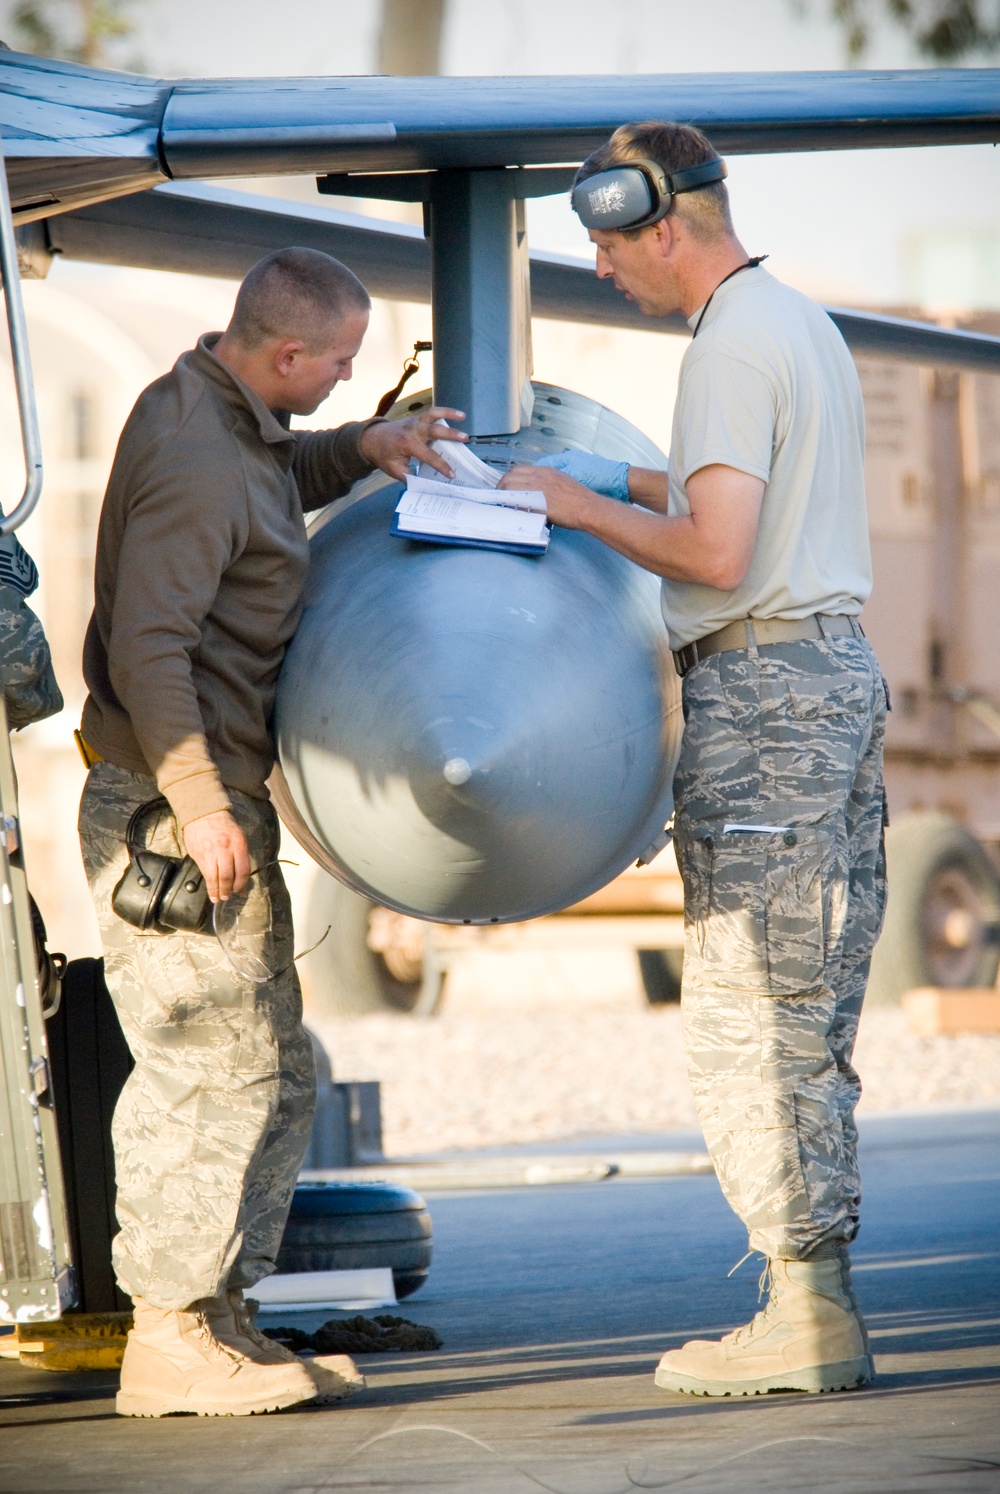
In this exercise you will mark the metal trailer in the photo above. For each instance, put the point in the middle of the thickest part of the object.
(934, 485)
(105, 166)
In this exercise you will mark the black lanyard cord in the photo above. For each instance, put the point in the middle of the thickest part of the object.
(751, 264)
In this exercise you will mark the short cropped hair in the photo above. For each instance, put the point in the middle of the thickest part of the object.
(298, 293)
(674, 147)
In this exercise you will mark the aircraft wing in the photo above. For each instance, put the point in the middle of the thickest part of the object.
(208, 230)
(73, 134)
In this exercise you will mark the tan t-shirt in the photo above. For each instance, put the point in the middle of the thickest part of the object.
(768, 387)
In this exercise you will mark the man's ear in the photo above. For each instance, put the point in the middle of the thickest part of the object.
(286, 355)
(664, 236)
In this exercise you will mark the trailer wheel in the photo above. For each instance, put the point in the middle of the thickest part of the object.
(355, 1226)
(661, 971)
(942, 925)
(372, 960)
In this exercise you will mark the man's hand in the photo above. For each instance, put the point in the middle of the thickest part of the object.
(599, 474)
(390, 444)
(218, 846)
(713, 545)
(566, 500)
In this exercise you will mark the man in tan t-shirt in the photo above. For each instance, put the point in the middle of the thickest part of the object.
(201, 561)
(759, 531)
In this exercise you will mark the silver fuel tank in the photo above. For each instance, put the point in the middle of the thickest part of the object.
(475, 737)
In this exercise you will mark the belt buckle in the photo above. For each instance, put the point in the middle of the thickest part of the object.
(687, 658)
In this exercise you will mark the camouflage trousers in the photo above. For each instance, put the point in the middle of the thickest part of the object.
(779, 832)
(213, 1122)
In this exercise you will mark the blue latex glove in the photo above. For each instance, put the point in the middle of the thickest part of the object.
(594, 472)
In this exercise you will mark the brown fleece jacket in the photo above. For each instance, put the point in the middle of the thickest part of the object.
(201, 560)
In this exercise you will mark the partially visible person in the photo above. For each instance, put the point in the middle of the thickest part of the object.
(26, 675)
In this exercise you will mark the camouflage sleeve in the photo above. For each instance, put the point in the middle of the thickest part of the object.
(29, 684)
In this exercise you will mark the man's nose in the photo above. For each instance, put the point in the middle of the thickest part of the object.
(603, 267)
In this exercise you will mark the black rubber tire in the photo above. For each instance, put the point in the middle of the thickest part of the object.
(935, 869)
(661, 971)
(345, 977)
(351, 1226)
(398, 1228)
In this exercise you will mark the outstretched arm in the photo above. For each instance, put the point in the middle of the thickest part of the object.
(712, 546)
(327, 463)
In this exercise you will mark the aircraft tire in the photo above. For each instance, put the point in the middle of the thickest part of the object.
(345, 976)
(660, 970)
(354, 1226)
(942, 924)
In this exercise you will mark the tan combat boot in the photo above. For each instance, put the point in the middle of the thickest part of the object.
(334, 1376)
(174, 1362)
(808, 1337)
(840, 1251)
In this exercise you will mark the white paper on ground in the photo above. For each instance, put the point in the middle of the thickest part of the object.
(306, 1290)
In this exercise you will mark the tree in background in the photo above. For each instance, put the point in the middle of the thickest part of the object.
(941, 30)
(76, 30)
(410, 37)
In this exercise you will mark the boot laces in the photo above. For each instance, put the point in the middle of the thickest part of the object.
(212, 1346)
(767, 1286)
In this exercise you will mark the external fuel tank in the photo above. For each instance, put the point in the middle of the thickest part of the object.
(475, 737)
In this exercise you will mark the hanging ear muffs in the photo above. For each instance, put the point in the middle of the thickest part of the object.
(165, 893)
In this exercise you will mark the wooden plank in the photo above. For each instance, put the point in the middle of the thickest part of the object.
(933, 1011)
(642, 931)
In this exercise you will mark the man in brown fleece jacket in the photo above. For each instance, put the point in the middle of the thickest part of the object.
(201, 561)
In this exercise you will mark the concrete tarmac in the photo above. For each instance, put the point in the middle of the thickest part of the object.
(554, 1304)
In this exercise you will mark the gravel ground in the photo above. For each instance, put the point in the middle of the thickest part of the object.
(535, 1048)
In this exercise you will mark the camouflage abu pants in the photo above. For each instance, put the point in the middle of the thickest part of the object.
(213, 1122)
(780, 840)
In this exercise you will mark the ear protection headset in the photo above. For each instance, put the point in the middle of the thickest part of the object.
(638, 193)
(160, 892)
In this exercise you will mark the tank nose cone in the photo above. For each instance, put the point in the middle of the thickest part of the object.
(456, 771)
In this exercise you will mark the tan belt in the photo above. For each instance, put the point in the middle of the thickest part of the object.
(761, 631)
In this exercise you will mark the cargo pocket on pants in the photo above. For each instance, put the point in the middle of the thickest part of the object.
(760, 910)
(760, 1166)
